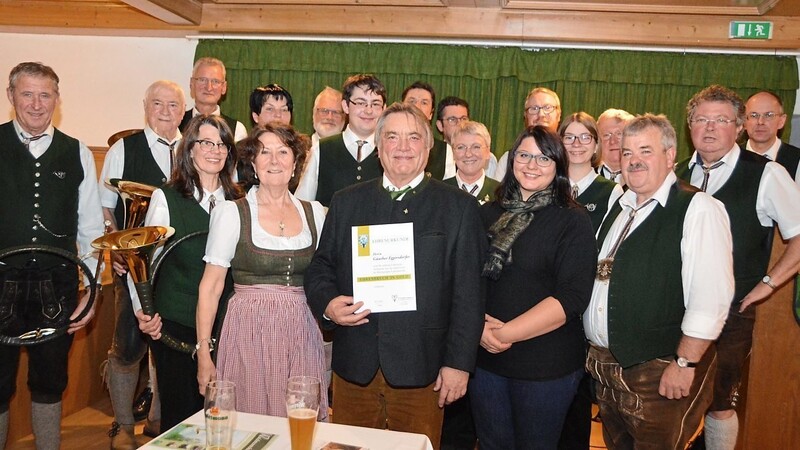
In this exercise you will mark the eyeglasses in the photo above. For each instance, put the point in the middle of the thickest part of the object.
(273, 111)
(213, 81)
(462, 148)
(768, 116)
(584, 138)
(329, 112)
(453, 120)
(704, 121)
(607, 136)
(207, 146)
(525, 158)
(533, 110)
(363, 104)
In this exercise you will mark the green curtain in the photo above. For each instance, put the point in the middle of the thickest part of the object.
(495, 81)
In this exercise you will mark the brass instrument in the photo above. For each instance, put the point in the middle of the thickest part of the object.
(136, 197)
(136, 247)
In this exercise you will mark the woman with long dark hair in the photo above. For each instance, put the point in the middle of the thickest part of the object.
(202, 178)
(540, 269)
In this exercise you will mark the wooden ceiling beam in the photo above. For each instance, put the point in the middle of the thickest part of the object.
(173, 12)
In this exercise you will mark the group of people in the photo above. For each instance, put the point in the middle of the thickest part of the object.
(585, 265)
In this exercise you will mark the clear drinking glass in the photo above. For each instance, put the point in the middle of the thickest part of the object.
(220, 412)
(302, 406)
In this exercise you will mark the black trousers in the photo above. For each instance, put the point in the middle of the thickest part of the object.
(177, 376)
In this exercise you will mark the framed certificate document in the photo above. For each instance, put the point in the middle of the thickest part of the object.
(383, 267)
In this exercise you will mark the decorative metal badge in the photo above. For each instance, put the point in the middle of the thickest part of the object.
(591, 206)
(604, 267)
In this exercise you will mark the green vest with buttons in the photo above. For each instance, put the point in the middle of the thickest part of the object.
(39, 194)
(139, 166)
(338, 169)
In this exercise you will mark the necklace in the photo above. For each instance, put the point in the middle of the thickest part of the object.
(282, 208)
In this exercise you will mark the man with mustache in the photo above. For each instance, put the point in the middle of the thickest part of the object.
(328, 116)
(757, 193)
(651, 321)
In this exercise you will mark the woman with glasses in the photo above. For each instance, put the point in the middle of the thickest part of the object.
(597, 194)
(266, 239)
(201, 179)
(540, 269)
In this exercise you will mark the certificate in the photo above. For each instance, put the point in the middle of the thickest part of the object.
(383, 267)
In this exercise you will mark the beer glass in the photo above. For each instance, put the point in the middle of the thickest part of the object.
(220, 411)
(302, 406)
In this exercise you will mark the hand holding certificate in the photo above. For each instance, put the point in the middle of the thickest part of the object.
(383, 267)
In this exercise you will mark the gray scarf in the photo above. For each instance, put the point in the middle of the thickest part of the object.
(517, 217)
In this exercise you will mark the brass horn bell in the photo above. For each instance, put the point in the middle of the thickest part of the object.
(136, 197)
(136, 247)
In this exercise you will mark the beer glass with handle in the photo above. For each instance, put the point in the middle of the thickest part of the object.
(302, 406)
(220, 411)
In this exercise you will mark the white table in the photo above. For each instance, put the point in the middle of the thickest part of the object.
(371, 438)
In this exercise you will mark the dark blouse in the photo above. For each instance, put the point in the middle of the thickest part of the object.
(555, 256)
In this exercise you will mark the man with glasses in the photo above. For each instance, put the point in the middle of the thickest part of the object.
(348, 158)
(662, 289)
(145, 157)
(271, 103)
(542, 107)
(764, 119)
(328, 116)
(207, 86)
(757, 193)
(609, 128)
(450, 113)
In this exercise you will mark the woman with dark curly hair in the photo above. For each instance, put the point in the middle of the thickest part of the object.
(540, 269)
(267, 239)
(201, 178)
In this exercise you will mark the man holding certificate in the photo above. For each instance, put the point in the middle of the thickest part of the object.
(397, 276)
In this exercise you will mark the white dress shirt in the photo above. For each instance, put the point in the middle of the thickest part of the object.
(706, 270)
(477, 185)
(778, 197)
(90, 215)
(225, 227)
(391, 187)
(114, 164)
(587, 181)
(309, 182)
(238, 134)
(772, 155)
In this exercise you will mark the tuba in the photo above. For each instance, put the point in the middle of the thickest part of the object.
(136, 197)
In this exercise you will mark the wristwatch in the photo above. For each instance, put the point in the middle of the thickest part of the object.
(684, 363)
(768, 281)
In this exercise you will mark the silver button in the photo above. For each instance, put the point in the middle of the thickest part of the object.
(37, 174)
(35, 205)
(37, 216)
(38, 164)
(33, 239)
(35, 227)
(358, 177)
(36, 195)
(36, 184)
(358, 168)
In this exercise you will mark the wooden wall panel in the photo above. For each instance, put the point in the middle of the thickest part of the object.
(773, 390)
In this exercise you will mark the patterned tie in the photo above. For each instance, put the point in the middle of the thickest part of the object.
(27, 140)
(469, 191)
(395, 194)
(358, 152)
(707, 172)
(212, 202)
(171, 152)
(613, 174)
(575, 191)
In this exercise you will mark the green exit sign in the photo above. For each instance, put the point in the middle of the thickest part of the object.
(750, 30)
